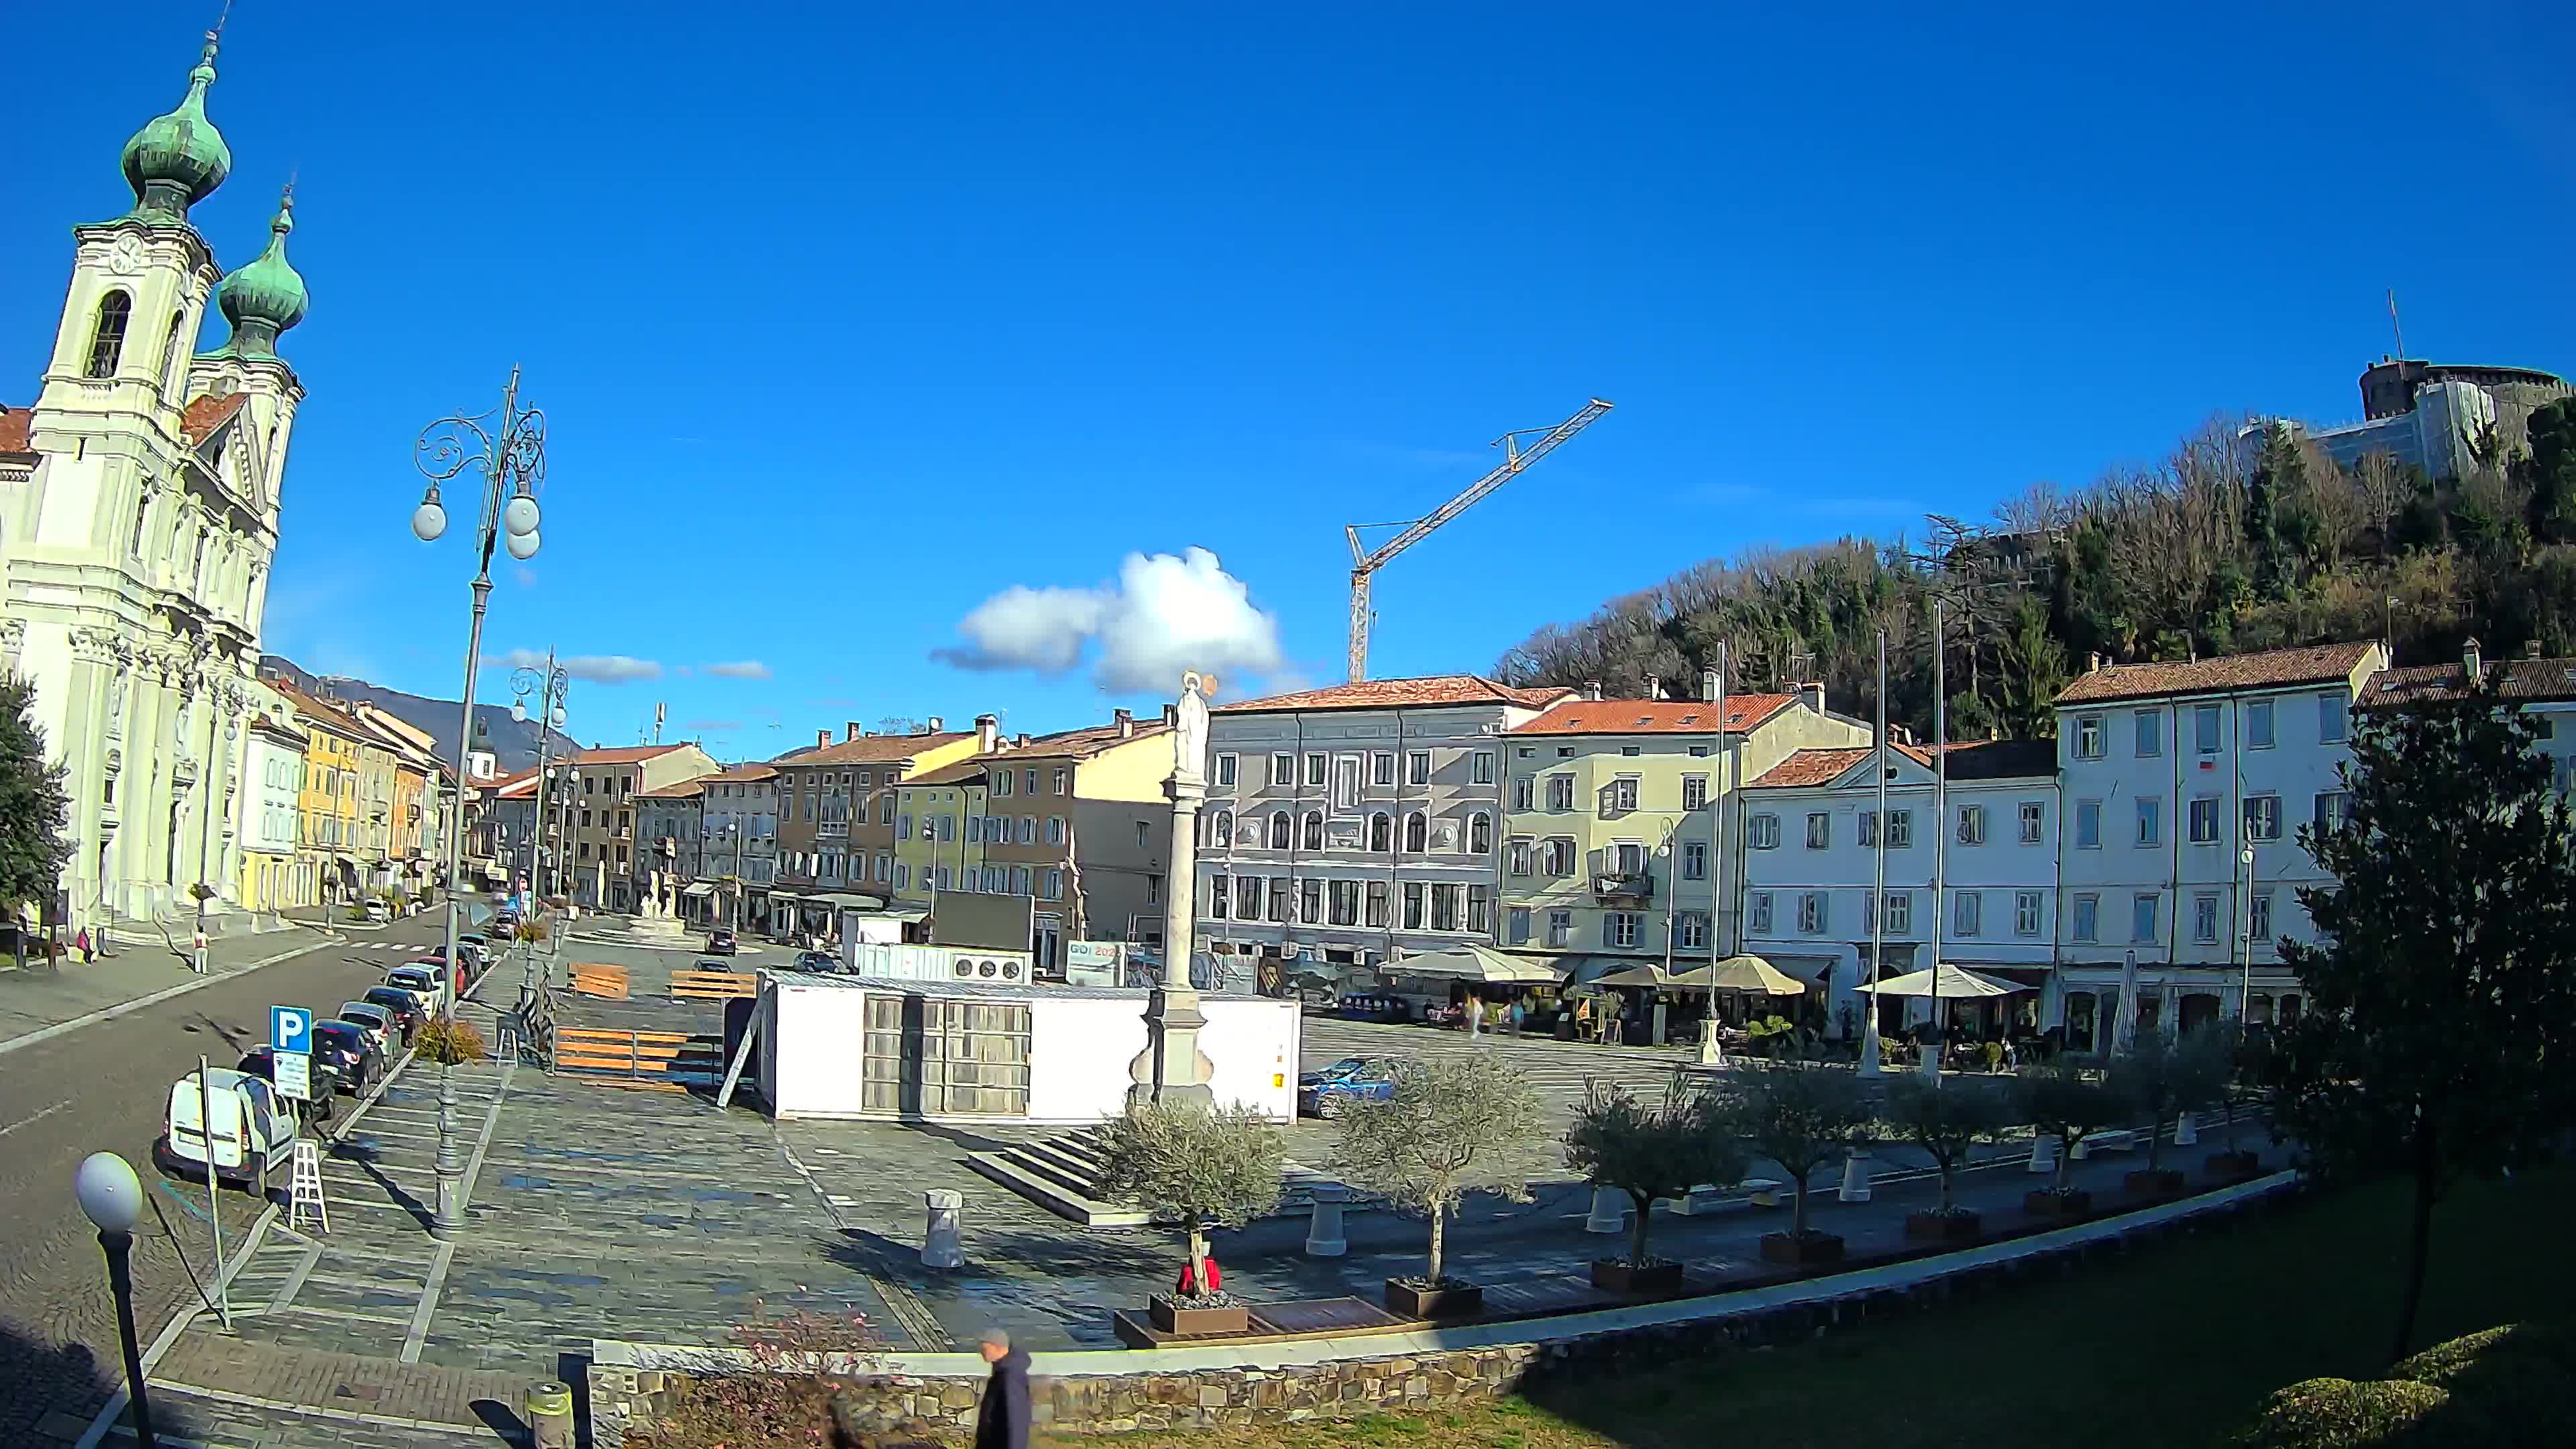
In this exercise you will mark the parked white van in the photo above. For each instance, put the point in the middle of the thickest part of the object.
(254, 1130)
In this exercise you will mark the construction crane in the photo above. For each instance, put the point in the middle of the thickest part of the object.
(1364, 564)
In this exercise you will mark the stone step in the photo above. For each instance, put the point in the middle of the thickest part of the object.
(1055, 1197)
(1076, 1172)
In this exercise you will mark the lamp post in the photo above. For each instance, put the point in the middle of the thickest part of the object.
(550, 685)
(111, 1197)
(508, 448)
(2245, 933)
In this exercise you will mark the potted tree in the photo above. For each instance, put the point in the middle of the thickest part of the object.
(1946, 1120)
(1805, 1117)
(1198, 1165)
(1443, 1130)
(2060, 1099)
(2150, 1080)
(2242, 1058)
(1648, 1152)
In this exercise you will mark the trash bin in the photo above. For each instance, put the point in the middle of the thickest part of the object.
(939, 1245)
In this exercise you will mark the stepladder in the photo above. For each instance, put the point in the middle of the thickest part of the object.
(304, 1189)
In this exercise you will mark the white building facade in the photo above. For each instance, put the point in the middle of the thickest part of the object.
(138, 523)
(1351, 825)
(1808, 838)
(2184, 786)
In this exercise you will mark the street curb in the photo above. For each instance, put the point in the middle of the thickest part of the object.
(110, 1013)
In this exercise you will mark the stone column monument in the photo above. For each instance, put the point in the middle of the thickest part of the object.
(1172, 1068)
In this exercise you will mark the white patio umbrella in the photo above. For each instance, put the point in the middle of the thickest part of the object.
(1472, 962)
(1953, 984)
(1647, 974)
(1742, 973)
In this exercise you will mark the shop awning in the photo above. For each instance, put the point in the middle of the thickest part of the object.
(1954, 984)
(699, 888)
(853, 899)
(1742, 973)
(776, 894)
(897, 913)
(1472, 962)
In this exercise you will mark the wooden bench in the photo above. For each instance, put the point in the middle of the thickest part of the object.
(2116, 1140)
(712, 985)
(605, 982)
(1762, 1192)
(661, 1061)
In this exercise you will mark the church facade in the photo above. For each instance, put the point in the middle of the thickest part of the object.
(139, 501)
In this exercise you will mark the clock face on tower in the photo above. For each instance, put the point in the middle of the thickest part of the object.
(126, 257)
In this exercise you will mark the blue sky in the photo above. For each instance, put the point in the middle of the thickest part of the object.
(849, 318)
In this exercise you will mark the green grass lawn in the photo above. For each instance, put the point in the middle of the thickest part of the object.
(2173, 1346)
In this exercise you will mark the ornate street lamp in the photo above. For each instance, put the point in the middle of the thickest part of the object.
(508, 448)
(111, 1197)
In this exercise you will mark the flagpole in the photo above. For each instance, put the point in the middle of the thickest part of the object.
(1940, 816)
(1719, 780)
(1878, 898)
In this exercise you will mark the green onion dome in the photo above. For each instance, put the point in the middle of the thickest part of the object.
(179, 159)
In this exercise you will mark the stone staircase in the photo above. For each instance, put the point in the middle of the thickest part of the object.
(1061, 1173)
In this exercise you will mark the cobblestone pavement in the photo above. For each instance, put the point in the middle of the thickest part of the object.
(103, 1086)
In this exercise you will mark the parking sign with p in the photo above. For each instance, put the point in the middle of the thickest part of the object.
(290, 1029)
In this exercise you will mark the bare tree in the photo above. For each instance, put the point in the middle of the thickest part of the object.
(1445, 1130)
(2381, 485)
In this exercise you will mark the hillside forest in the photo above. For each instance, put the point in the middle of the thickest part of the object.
(2242, 538)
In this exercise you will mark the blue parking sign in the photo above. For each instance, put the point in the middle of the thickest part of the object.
(290, 1028)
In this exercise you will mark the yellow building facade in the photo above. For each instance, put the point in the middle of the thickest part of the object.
(936, 812)
(1608, 846)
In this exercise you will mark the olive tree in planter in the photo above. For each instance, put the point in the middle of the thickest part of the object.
(1805, 1117)
(1443, 1130)
(2239, 1062)
(2061, 1099)
(1648, 1152)
(2152, 1079)
(1946, 1120)
(1198, 1165)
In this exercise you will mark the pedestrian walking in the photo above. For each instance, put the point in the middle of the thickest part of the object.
(80, 943)
(1516, 1015)
(1475, 1016)
(1610, 1015)
(1583, 1019)
(1002, 1419)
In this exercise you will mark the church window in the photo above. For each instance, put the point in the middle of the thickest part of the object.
(142, 518)
(107, 339)
(170, 353)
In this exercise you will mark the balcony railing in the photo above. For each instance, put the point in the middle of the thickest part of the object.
(1629, 885)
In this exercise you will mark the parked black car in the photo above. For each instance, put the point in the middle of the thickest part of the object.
(345, 1047)
(261, 1062)
(400, 1004)
(720, 942)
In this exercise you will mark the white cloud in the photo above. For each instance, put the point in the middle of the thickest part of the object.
(1165, 614)
(526, 576)
(589, 668)
(740, 669)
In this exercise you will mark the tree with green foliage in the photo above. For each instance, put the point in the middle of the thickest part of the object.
(1947, 1120)
(2548, 470)
(2061, 1099)
(2033, 669)
(1197, 1164)
(2440, 1039)
(1650, 1151)
(34, 809)
(1804, 1116)
(2163, 1074)
(1444, 1129)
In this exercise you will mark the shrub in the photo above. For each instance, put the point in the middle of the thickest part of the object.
(448, 1042)
(803, 1359)
(2340, 1414)
(2506, 1385)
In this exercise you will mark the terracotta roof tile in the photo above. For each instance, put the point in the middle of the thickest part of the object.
(1084, 743)
(206, 414)
(1968, 760)
(746, 774)
(1654, 716)
(1429, 690)
(2515, 679)
(2314, 664)
(873, 749)
(621, 754)
(685, 790)
(1813, 767)
(957, 774)
(14, 423)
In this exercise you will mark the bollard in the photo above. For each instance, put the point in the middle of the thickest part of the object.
(1609, 1211)
(2187, 1130)
(1324, 1237)
(1856, 1178)
(2043, 1152)
(549, 1406)
(1930, 1063)
(939, 1245)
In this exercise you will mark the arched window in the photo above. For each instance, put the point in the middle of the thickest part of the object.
(1416, 832)
(142, 519)
(1221, 832)
(1279, 828)
(1480, 834)
(1314, 839)
(170, 353)
(1381, 831)
(107, 338)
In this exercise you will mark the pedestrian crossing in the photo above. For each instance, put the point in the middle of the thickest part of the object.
(417, 948)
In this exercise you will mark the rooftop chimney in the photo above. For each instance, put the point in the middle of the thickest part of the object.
(931, 726)
(2471, 662)
(1654, 688)
(1023, 740)
(822, 738)
(1592, 689)
(852, 729)
(1708, 685)
(987, 727)
(2531, 649)
(1814, 695)
(1125, 719)
(2093, 662)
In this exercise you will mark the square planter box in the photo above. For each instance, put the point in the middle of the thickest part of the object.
(1791, 1248)
(2046, 1204)
(1198, 1322)
(1407, 1301)
(1613, 1275)
(2159, 1180)
(1944, 1227)
(2229, 1166)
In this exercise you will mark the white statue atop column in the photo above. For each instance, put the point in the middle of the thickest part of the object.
(1172, 1068)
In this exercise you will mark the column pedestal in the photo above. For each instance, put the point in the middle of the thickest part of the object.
(1609, 1211)
(1855, 1186)
(1324, 1237)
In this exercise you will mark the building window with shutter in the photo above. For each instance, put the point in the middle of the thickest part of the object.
(1310, 901)
(1820, 830)
(1376, 904)
(1560, 928)
(1413, 905)
(1757, 907)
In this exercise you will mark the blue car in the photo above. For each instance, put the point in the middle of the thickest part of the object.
(1322, 1093)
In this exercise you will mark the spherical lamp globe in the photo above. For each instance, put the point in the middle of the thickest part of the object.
(523, 545)
(110, 1195)
(519, 515)
(428, 521)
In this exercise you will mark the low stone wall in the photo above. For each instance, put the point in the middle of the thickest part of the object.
(1272, 1383)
